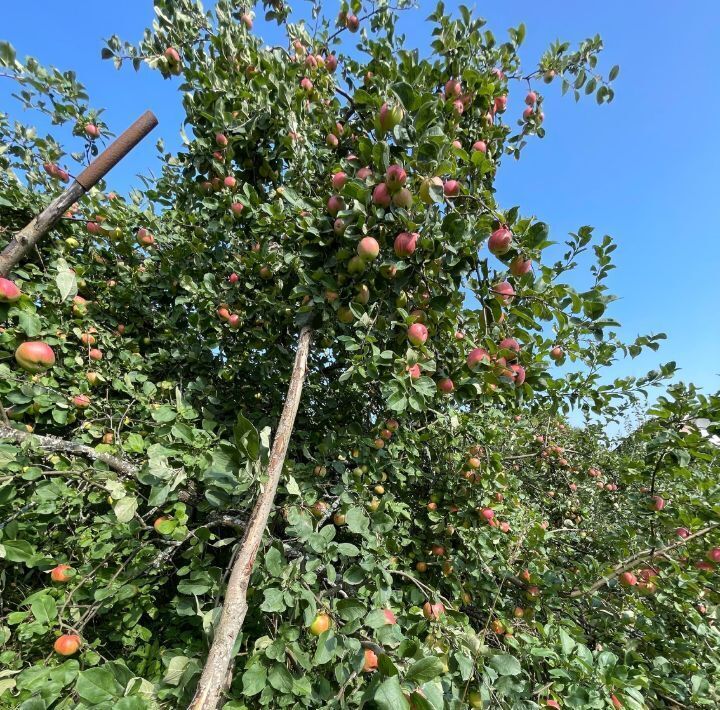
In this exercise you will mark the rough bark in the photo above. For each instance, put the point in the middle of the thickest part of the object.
(54, 443)
(213, 680)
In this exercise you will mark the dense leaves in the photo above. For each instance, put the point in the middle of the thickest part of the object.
(442, 537)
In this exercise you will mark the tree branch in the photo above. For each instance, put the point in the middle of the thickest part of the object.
(218, 664)
(636, 559)
(54, 443)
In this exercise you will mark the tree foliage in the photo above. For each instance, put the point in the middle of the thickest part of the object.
(462, 543)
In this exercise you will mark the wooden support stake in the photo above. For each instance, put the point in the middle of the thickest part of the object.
(31, 234)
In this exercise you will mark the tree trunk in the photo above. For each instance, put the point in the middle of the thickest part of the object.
(213, 680)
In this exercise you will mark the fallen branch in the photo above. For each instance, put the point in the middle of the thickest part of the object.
(215, 673)
(636, 559)
(56, 444)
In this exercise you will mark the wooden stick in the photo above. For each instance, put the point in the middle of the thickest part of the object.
(31, 234)
(215, 673)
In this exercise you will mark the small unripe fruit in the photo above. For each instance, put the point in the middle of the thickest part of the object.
(390, 116)
(426, 186)
(395, 177)
(402, 198)
(421, 567)
(320, 624)
(433, 611)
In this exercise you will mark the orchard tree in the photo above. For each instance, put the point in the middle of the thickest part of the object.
(284, 427)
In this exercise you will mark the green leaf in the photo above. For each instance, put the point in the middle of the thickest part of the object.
(273, 601)
(505, 664)
(274, 562)
(66, 281)
(247, 439)
(16, 550)
(614, 72)
(357, 521)
(254, 679)
(44, 608)
(389, 695)
(29, 323)
(97, 685)
(280, 678)
(125, 508)
(424, 670)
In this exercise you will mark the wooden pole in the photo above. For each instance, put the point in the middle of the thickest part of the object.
(31, 234)
(214, 678)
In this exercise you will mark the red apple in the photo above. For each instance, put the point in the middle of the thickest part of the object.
(306, 85)
(628, 579)
(95, 354)
(518, 374)
(446, 385)
(352, 23)
(144, 238)
(500, 104)
(92, 130)
(221, 140)
(81, 401)
(504, 291)
(682, 532)
(34, 356)
(414, 371)
(480, 147)
(331, 62)
(60, 574)
(335, 204)
(531, 98)
(381, 196)
(500, 241)
(67, 644)
(368, 248)
(405, 243)
(476, 356)
(713, 554)
(657, 503)
(371, 661)
(9, 292)
(487, 513)
(338, 180)
(453, 88)
(417, 334)
(364, 173)
(520, 266)
(451, 188)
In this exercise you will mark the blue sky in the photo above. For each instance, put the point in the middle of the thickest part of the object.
(645, 169)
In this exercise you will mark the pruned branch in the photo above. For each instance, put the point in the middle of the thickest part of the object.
(58, 445)
(637, 558)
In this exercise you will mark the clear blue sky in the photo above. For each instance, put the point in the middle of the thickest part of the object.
(645, 169)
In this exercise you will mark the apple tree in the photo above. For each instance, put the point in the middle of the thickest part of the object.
(284, 427)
